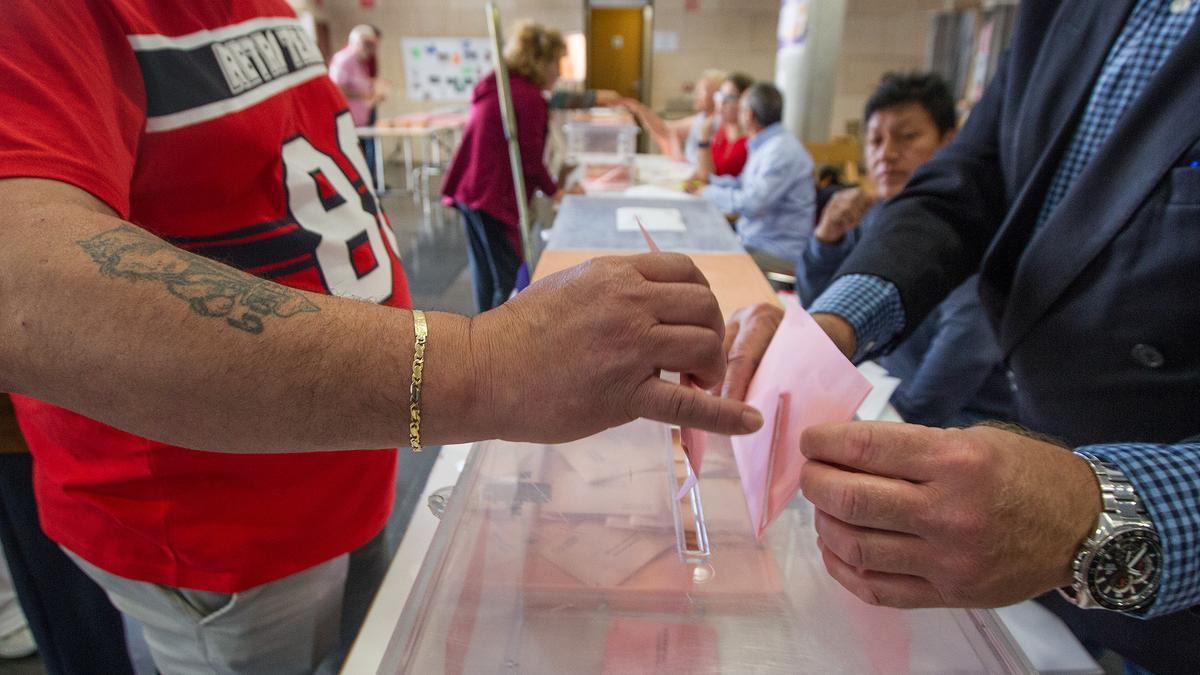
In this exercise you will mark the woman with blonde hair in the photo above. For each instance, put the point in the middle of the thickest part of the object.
(479, 182)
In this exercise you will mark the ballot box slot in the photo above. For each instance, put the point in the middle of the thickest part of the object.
(691, 531)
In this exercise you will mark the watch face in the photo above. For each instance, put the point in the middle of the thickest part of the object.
(1125, 571)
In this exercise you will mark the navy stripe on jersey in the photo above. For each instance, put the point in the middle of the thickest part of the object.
(268, 250)
(261, 228)
(204, 75)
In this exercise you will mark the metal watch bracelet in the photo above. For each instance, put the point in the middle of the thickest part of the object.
(1121, 508)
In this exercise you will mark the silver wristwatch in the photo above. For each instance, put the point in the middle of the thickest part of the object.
(1119, 567)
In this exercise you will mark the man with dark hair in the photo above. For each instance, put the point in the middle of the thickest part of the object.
(774, 196)
(928, 90)
(950, 367)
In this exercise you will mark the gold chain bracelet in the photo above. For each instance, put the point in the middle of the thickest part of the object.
(421, 329)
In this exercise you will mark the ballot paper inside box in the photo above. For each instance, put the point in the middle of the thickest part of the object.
(613, 535)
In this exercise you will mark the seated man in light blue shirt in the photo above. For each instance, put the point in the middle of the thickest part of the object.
(775, 196)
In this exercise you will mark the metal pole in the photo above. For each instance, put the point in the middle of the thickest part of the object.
(509, 116)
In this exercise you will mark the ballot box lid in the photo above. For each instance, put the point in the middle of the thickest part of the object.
(577, 558)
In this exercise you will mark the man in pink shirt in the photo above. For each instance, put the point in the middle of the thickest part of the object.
(351, 70)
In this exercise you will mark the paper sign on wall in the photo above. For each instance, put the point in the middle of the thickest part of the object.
(445, 69)
(666, 41)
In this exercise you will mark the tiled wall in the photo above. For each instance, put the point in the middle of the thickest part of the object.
(880, 35)
(729, 34)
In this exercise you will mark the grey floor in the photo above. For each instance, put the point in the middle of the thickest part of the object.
(433, 250)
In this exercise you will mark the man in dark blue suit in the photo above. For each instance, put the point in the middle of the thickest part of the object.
(1074, 192)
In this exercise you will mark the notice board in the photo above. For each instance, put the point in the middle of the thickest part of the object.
(445, 68)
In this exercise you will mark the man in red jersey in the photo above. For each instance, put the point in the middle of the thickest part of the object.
(196, 278)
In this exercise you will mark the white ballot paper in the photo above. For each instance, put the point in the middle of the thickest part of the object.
(598, 555)
(883, 385)
(633, 494)
(655, 220)
(593, 458)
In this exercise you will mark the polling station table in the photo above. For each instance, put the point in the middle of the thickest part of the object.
(578, 558)
(436, 134)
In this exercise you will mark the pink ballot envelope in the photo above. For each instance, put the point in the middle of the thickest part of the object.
(803, 381)
(692, 440)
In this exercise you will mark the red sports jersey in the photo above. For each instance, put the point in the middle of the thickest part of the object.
(215, 126)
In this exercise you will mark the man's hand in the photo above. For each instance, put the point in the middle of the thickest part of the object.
(607, 98)
(908, 516)
(631, 104)
(581, 351)
(747, 336)
(573, 189)
(749, 333)
(843, 213)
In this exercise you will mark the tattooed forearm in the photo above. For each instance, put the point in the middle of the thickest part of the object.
(209, 289)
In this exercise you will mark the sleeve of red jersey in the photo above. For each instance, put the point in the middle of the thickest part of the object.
(72, 96)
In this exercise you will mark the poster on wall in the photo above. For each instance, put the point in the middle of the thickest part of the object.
(445, 69)
(793, 23)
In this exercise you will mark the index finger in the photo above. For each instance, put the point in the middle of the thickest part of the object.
(887, 449)
(668, 267)
(663, 401)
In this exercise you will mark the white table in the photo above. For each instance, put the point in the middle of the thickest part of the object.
(437, 141)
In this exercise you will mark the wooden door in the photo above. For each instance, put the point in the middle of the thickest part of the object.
(615, 50)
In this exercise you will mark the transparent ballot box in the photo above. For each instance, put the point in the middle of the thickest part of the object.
(605, 150)
(576, 558)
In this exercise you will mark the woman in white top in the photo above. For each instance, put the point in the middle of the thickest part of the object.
(680, 139)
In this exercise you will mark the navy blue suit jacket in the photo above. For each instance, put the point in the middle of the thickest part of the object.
(1097, 312)
(950, 366)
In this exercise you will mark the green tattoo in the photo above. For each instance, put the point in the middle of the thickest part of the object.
(209, 289)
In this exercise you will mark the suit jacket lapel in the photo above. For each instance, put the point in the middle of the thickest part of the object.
(1150, 137)
(1060, 82)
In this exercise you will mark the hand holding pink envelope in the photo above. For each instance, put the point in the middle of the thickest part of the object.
(802, 381)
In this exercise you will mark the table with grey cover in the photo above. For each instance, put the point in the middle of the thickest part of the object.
(590, 223)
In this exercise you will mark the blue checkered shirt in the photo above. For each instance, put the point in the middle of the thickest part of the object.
(1167, 478)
